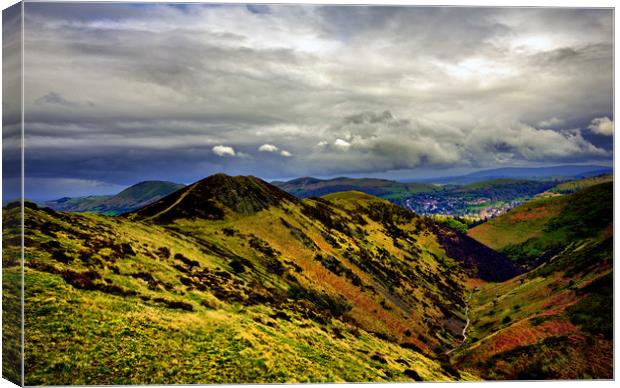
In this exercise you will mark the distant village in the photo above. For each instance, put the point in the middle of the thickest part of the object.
(474, 209)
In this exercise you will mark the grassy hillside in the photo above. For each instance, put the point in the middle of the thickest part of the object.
(550, 324)
(520, 224)
(556, 320)
(131, 198)
(537, 230)
(390, 190)
(579, 184)
(232, 280)
(11, 294)
(530, 219)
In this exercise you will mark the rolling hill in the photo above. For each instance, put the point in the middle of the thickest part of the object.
(547, 173)
(387, 189)
(474, 200)
(233, 280)
(537, 230)
(556, 320)
(519, 224)
(578, 184)
(131, 198)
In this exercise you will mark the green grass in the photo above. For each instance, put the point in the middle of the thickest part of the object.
(347, 287)
(576, 185)
(113, 340)
(452, 222)
(539, 229)
(115, 301)
(11, 323)
(595, 312)
(11, 296)
(519, 225)
(555, 320)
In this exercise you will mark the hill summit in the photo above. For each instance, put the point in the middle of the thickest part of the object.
(215, 196)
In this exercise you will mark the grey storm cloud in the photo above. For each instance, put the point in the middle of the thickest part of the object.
(58, 99)
(118, 93)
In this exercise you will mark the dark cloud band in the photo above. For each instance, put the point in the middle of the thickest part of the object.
(118, 93)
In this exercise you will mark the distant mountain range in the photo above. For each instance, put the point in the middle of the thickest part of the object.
(134, 197)
(147, 192)
(564, 172)
(392, 190)
(397, 191)
(475, 196)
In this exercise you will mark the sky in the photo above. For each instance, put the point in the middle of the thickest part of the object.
(120, 93)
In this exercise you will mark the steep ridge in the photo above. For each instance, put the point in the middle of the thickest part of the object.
(555, 321)
(230, 268)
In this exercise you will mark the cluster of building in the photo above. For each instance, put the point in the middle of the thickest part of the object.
(473, 209)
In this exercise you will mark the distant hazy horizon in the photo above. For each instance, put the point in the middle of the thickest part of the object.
(425, 177)
(118, 93)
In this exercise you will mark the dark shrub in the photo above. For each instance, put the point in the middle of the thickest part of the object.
(228, 232)
(61, 257)
(127, 250)
(409, 345)
(237, 266)
(190, 263)
(379, 357)
(263, 247)
(413, 374)
(163, 252)
(174, 304)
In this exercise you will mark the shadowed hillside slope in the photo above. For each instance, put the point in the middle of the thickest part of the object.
(479, 260)
(555, 321)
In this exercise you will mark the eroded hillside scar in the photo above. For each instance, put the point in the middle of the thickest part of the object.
(467, 322)
(179, 200)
